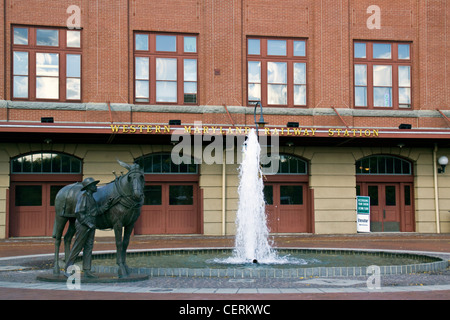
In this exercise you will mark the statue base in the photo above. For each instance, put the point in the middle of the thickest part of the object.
(101, 278)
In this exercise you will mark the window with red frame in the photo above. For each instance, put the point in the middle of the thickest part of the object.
(165, 68)
(46, 64)
(276, 71)
(382, 75)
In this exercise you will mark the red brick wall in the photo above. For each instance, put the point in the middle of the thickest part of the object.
(329, 25)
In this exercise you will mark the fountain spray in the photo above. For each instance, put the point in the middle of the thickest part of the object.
(252, 234)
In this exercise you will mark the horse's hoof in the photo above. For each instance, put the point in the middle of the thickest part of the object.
(56, 270)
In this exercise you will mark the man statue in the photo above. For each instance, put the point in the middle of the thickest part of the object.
(86, 210)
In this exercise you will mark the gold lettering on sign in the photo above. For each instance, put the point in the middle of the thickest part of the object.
(278, 131)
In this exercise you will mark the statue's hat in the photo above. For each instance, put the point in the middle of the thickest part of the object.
(88, 181)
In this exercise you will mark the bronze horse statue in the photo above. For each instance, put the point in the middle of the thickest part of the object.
(127, 194)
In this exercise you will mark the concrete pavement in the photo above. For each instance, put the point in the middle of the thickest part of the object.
(21, 284)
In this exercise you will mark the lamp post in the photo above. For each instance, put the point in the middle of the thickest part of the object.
(260, 123)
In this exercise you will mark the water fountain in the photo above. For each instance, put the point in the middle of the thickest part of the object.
(252, 234)
(253, 255)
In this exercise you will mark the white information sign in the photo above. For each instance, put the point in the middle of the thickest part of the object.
(362, 214)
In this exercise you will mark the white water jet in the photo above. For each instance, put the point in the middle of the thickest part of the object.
(252, 234)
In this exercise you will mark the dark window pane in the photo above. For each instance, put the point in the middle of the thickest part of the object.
(291, 195)
(373, 194)
(389, 165)
(284, 165)
(192, 168)
(382, 165)
(75, 166)
(26, 163)
(37, 163)
(174, 168)
(47, 162)
(56, 163)
(17, 165)
(358, 190)
(156, 165)
(373, 165)
(181, 195)
(397, 166)
(65, 164)
(390, 196)
(190, 97)
(166, 163)
(152, 195)
(53, 192)
(407, 195)
(28, 195)
(268, 195)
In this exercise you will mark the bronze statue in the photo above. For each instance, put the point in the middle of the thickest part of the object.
(86, 212)
(117, 205)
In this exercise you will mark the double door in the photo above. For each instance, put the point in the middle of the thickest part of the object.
(287, 207)
(169, 208)
(391, 207)
(32, 208)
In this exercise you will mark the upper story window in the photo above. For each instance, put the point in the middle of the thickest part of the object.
(382, 75)
(276, 71)
(165, 69)
(46, 64)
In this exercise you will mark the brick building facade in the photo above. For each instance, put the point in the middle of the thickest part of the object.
(362, 84)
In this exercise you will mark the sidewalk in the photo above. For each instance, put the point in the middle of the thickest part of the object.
(416, 286)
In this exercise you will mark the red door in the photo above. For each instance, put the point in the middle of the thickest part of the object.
(286, 207)
(169, 208)
(391, 208)
(32, 210)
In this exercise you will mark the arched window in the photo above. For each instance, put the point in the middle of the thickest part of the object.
(287, 164)
(383, 165)
(46, 162)
(161, 163)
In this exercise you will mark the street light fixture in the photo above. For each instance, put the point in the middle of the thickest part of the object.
(259, 124)
(443, 161)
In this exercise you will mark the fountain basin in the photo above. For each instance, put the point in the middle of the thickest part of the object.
(209, 262)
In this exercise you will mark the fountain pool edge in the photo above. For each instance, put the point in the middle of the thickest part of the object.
(436, 263)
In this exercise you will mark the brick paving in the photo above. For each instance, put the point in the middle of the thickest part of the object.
(21, 284)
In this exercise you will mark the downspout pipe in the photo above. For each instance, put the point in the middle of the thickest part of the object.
(436, 190)
(224, 194)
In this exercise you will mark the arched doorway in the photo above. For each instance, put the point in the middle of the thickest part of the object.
(288, 197)
(36, 178)
(172, 197)
(389, 182)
